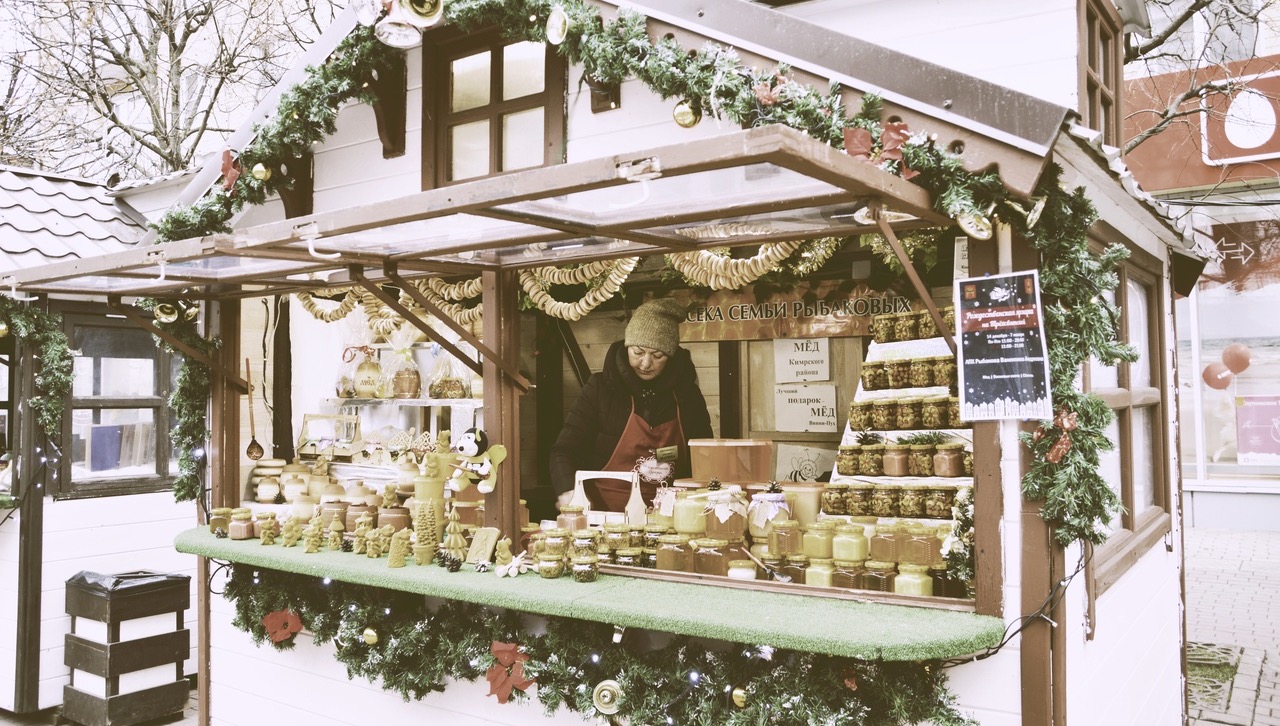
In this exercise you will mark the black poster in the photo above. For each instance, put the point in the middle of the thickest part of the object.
(1004, 363)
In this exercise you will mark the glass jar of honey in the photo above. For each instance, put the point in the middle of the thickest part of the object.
(848, 574)
(921, 462)
(674, 553)
(847, 460)
(913, 580)
(895, 461)
(819, 573)
(949, 461)
(883, 329)
(859, 415)
(879, 576)
(921, 373)
(794, 567)
(911, 500)
(884, 415)
(884, 545)
(857, 500)
(908, 414)
(710, 558)
(689, 517)
(786, 539)
(875, 376)
(834, 497)
(870, 460)
(884, 500)
(850, 543)
(898, 373)
(818, 538)
(904, 326)
(917, 547)
(934, 413)
(742, 570)
(726, 515)
(571, 517)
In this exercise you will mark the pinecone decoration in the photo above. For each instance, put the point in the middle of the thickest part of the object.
(220, 533)
(279, 499)
(347, 545)
(448, 561)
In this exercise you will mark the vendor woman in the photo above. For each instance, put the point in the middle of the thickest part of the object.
(637, 414)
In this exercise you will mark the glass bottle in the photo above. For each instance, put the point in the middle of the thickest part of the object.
(921, 372)
(908, 414)
(874, 376)
(847, 460)
(850, 543)
(742, 570)
(857, 501)
(673, 553)
(627, 556)
(911, 500)
(848, 574)
(556, 542)
(819, 572)
(884, 545)
(795, 566)
(709, 559)
(917, 547)
(904, 326)
(584, 543)
(689, 518)
(785, 539)
(571, 517)
(949, 461)
(898, 373)
(913, 580)
(834, 498)
(921, 460)
(895, 461)
(870, 460)
(859, 415)
(934, 413)
(884, 416)
(884, 500)
(585, 569)
(939, 500)
(879, 576)
(818, 539)
(616, 536)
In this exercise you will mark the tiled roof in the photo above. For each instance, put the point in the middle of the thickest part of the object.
(45, 217)
(136, 183)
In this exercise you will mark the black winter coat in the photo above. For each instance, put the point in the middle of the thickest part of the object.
(594, 426)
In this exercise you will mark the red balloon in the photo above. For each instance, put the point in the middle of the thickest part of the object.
(1237, 357)
(1217, 375)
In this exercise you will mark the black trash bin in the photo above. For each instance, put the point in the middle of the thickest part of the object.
(115, 600)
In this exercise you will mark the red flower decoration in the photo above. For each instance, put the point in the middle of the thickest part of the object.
(892, 138)
(508, 673)
(765, 93)
(282, 625)
(857, 143)
(230, 169)
(851, 679)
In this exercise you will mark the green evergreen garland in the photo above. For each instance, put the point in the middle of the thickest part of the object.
(42, 330)
(419, 646)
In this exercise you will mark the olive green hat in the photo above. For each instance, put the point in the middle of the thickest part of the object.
(656, 325)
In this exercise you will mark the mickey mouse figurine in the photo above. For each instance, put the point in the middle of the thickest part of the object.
(477, 462)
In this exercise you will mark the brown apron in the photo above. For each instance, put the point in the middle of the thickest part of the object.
(639, 441)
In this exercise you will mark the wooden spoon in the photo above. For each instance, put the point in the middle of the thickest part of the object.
(254, 451)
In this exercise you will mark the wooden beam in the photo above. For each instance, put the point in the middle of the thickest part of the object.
(357, 274)
(282, 438)
(925, 297)
(413, 292)
(390, 94)
(577, 361)
(131, 313)
(29, 489)
(549, 375)
(502, 398)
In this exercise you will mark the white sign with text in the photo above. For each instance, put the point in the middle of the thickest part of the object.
(798, 360)
(802, 407)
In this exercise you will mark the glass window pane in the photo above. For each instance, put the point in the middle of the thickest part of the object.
(112, 443)
(522, 70)
(1137, 314)
(1189, 413)
(469, 82)
(522, 139)
(4, 382)
(1144, 474)
(469, 144)
(1109, 468)
(1101, 376)
(113, 362)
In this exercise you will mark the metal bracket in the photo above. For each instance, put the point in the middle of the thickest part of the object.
(912, 275)
(389, 269)
(131, 313)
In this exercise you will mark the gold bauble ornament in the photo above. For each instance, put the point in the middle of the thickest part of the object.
(190, 312)
(166, 313)
(370, 636)
(4, 328)
(607, 697)
(740, 697)
(686, 114)
(261, 172)
(975, 225)
(557, 25)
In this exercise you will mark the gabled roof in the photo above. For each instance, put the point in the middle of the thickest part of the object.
(45, 217)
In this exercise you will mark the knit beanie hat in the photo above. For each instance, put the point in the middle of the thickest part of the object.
(655, 325)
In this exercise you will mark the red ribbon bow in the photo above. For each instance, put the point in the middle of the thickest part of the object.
(508, 673)
(282, 625)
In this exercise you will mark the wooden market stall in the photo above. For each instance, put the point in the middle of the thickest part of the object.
(619, 197)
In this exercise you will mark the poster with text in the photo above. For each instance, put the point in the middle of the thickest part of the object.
(1258, 429)
(801, 360)
(1004, 363)
(805, 407)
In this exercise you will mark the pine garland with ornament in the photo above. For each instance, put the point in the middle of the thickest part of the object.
(413, 648)
(713, 80)
(42, 330)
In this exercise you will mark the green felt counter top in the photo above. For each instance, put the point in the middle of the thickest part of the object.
(799, 622)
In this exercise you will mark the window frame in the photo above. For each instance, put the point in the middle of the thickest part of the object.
(65, 487)
(448, 44)
(1100, 68)
(1138, 531)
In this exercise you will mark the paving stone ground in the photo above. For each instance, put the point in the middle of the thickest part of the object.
(1233, 598)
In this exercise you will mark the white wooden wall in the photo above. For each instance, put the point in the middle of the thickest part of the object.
(1030, 47)
(105, 534)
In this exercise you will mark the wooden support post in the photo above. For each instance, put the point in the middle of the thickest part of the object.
(390, 104)
(502, 397)
(549, 375)
(730, 389)
(29, 489)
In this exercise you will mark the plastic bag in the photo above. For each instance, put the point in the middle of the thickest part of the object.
(400, 372)
(449, 379)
